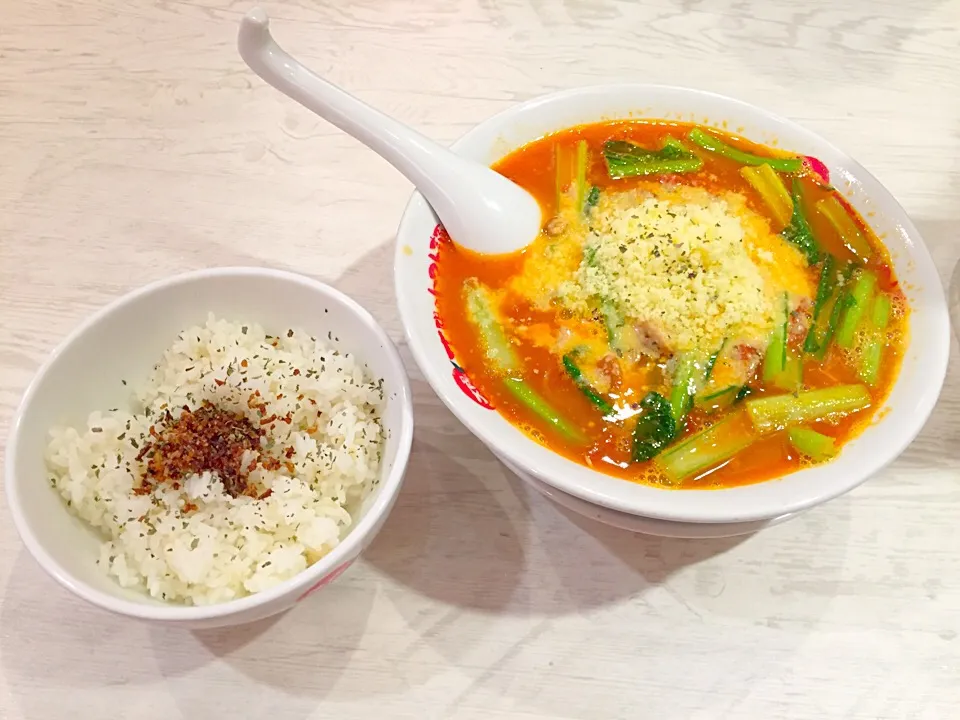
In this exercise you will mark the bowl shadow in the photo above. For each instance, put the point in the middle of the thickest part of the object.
(583, 564)
(37, 615)
(454, 535)
(291, 661)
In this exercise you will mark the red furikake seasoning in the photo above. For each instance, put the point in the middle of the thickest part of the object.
(207, 439)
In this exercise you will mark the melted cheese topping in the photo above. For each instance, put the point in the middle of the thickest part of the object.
(694, 268)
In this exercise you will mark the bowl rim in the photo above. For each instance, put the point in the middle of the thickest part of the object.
(347, 549)
(935, 368)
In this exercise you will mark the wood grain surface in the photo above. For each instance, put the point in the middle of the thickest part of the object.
(135, 144)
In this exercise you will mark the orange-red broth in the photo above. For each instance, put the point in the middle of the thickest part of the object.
(608, 447)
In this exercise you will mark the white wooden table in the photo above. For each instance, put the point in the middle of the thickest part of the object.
(135, 145)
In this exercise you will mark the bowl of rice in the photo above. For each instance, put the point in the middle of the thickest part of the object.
(212, 448)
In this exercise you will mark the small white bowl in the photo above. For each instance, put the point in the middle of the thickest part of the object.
(910, 403)
(123, 341)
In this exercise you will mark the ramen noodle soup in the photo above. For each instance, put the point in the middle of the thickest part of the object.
(697, 312)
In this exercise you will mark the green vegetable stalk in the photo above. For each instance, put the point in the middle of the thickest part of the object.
(798, 231)
(771, 413)
(775, 361)
(872, 352)
(865, 282)
(718, 399)
(791, 377)
(715, 145)
(846, 228)
(688, 379)
(711, 387)
(814, 445)
(613, 322)
(536, 404)
(581, 177)
(828, 281)
(707, 448)
(770, 187)
(498, 350)
(592, 395)
(831, 300)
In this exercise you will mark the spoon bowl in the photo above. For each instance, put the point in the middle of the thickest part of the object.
(481, 210)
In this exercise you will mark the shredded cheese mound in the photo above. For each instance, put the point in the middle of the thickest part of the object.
(680, 261)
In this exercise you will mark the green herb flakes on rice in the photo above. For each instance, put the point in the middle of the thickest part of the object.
(178, 533)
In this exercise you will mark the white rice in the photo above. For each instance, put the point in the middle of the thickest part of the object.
(228, 547)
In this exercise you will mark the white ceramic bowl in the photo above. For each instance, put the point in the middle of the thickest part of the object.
(639, 523)
(125, 340)
(911, 400)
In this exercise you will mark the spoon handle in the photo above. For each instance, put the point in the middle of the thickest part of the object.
(421, 160)
(479, 207)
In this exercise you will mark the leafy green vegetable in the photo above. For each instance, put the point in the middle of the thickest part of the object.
(715, 145)
(655, 427)
(770, 413)
(624, 159)
(864, 284)
(798, 231)
(814, 445)
(593, 197)
(828, 281)
(536, 404)
(825, 318)
(498, 350)
(707, 448)
(574, 372)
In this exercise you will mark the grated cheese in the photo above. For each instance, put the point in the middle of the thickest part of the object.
(679, 260)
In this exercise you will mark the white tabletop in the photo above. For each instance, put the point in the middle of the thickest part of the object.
(135, 144)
